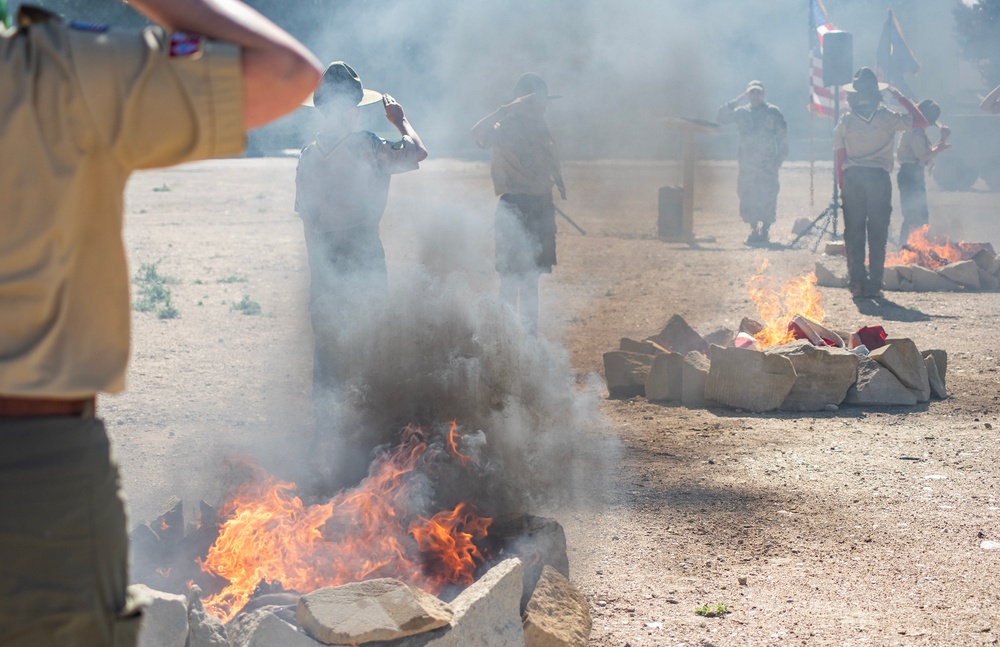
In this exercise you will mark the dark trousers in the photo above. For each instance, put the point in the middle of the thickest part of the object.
(347, 275)
(867, 196)
(64, 564)
(912, 199)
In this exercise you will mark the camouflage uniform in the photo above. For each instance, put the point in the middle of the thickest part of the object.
(763, 147)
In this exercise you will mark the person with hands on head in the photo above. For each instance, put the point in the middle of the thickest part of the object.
(82, 106)
(991, 102)
(341, 189)
(763, 149)
(524, 167)
(863, 142)
(914, 153)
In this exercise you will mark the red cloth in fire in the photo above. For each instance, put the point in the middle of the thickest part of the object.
(872, 336)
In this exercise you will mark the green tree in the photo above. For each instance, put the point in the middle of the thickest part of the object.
(978, 26)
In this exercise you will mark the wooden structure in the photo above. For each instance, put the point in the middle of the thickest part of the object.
(689, 128)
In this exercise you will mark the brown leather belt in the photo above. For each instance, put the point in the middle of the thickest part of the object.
(13, 407)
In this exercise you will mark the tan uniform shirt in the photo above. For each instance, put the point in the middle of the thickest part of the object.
(344, 183)
(912, 146)
(524, 158)
(870, 142)
(81, 109)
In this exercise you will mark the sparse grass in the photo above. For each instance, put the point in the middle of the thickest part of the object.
(154, 295)
(609, 293)
(232, 278)
(163, 188)
(247, 306)
(712, 610)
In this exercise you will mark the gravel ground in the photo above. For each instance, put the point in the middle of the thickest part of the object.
(861, 526)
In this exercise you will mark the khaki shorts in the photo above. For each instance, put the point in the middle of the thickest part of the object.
(63, 541)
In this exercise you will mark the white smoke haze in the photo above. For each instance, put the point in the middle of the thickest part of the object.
(439, 349)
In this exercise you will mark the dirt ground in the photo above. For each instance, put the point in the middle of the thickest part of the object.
(845, 528)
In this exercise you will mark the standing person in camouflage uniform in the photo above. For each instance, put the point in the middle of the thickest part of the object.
(763, 148)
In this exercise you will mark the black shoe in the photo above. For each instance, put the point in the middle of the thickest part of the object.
(857, 291)
(754, 238)
(764, 234)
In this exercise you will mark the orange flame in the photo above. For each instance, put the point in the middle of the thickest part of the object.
(163, 524)
(448, 538)
(453, 444)
(364, 533)
(776, 308)
(920, 249)
(164, 572)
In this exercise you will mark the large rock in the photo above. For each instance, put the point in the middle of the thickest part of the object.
(626, 373)
(487, 614)
(900, 355)
(826, 277)
(164, 618)
(537, 541)
(904, 276)
(987, 260)
(361, 612)
(938, 389)
(679, 337)
(557, 615)
(925, 280)
(988, 281)
(204, 629)
(940, 360)
(272, 631)
(877, 386)
(963, 272)
(252, 629)
(890, 278)
(666, 377)
(694, 375)
(824, 374)
(748, 379)
(644, 347)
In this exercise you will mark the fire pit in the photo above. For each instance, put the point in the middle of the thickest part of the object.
(924, 264)
(787, 360)
(267, 549)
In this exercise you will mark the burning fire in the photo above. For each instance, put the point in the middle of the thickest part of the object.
(776, 308)
(368, 532)
(932, 254)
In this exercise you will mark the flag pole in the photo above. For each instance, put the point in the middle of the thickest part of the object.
(812, 112)
(812, 152)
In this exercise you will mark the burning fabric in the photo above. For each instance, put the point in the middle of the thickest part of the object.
(925, 264)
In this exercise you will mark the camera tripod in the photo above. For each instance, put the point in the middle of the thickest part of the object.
(825, 222)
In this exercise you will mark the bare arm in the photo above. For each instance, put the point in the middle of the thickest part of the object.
(278, 71)
(991, 103)
(394, 113)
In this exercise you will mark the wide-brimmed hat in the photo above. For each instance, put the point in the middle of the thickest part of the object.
(865, 82)
(341, 85)
(931, 111)
(755, 85)
(531, 83)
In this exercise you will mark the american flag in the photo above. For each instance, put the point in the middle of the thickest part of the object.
(821, 102)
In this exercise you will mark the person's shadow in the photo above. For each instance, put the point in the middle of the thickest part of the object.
(891, 311)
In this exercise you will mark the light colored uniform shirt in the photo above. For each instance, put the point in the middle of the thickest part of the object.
(524, 157)
(870, 142)
(343, 183)
(912, 146)
(82, 108)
